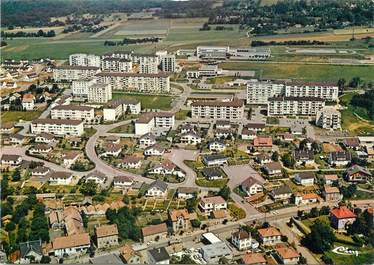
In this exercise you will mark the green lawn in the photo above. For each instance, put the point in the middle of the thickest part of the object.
(182, 114)
(365, 256)
(219, 183)
(15, 116)
(307, 72)
(148, 102)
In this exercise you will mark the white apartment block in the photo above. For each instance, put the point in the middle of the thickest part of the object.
(308, 106)
(156, 83)
(148, 121)
(73, 112)
(72, 72)
(258, 92)
(319, 90)
(328, 118)
(168, 63)
(222, 110)
(99, 93)
(148, 63)
(83, 59)
(116, 65)
(57, 127)
(80, 87)
(114, 109)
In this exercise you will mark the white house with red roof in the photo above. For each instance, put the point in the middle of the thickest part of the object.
(341, 217)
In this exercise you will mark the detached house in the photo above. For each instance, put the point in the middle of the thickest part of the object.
(341, 217)
(111, 150)
(147, 140)
(269, 236)
(306, 198)
(97, 177)
(106, 236)
(273, 168)
(70, 245)
(154, 150)
(166, 168)
(341, 158)
(331, 193)
(217, 146)
(157, 188)
(154, 232)
(132, 162)
(282, 193)
(263, 143)
(45, 138)
(251, 186)
(304, 157)
(287, 255)
(180, 220)
(305, 178)
(17, 139)
(212, 173)
(242, 240)
(61, 178)
(10, 160)
(210, 204)
(248, 134)
(357, 174)
(122, 182)
(215, 160)
(190, 138)
(40, 149)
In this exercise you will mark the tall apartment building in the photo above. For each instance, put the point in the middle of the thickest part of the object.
(328, 118)
(73, 112)
(258, 92)
(116, 65)
(57, 127)
(83, 59)
(294, 106)
(80, 87)
(168, 63)
(99, 93)
(148, 63)
(225, 110)
(325, 91)
(114, 109)
(73, 72)
(151, 120)
(156, 83)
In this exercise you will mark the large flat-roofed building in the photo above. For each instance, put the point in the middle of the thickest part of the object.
(212, 52)
(250, 53)
(114, 109)
(157, 83)
(148, 121)
(99, 93)
(223, 110)
(83, 59)
(328, 118)
(212, 253)
(73, 72)
(57, 127)
(73, 112)
(294, 106)
(327, 91)
(259, 92)
(116, 65)
(80, 87)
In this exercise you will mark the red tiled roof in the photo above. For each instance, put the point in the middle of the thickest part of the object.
(343, 213)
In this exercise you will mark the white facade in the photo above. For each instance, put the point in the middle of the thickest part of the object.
(156, 192)
(225, 110)
(258, 92)
(148, 121)
(56, 180)
(73, 112)
(80, 87)
(83, 59)
(307, 106)
(328, 118)
(99, 93)
(190, 138)
(28, 105)
(116, 65)
(70, 73)
(328, 92)
(57, 127)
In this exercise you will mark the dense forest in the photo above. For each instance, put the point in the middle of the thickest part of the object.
(39, 12)
(315, 15)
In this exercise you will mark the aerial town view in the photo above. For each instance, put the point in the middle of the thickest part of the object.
(187, 132)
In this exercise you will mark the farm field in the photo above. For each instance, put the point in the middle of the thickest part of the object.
(147, 101)
(15, 116)
(307, 72)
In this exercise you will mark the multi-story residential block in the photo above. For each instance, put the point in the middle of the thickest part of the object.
(116, 65)
(73, 72)
(83, 59)
(148, 63)
(140, 82)
(115, 108)
(259, 92)
(99, 93)
(57, 127)
(80, 87)
(307, 106)
(73, 112)
(328, 118)
(148, 121)
(168, 63)
(228, 110)
(326, 91)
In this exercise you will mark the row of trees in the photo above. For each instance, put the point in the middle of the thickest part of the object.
(127, 41)
(366, 101)
(23, 34)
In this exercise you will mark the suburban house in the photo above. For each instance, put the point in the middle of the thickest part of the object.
(10, 160)
(154, 232)
(351, 143)
(61, 178)
(185, 128)
(330, 179)
(180, 220)
(17, 139)
(273, 168)
(331, 193)
(187, 192)
(210, 204)
(106, 236)
(341, 158)
(122, 182)
(70, 245)
(307, 198)
(357, 173)
(40, 149)
(215, 160)
(158, 256)
(263, 159)
(212, 173)
(166, 168)
(304, 157)
(97, 177)
(305, 178)
(251, 186)
(129, 255)
(70, 157)
(242, 240)
(257, 127)
(287, 255)
(269, 236)
(253, 259)
(147, 140)
(190, 138)
(132, 162)
(282, 193)
(248, 134)
(263, 143)
(30, 252)
(111, 150)
(154, 150)
(217, 145)
(45, 138)
(342, 216)
(157, 188)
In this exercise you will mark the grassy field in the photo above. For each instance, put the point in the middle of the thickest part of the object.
(307, 72)
(365, 256)
(148, 101)
(15, 116)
